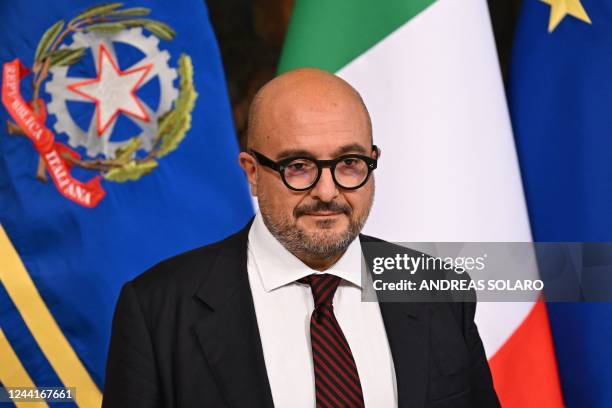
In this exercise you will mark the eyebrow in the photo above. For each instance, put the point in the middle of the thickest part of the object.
(350, 148)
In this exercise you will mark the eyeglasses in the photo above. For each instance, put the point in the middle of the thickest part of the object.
(349, 172)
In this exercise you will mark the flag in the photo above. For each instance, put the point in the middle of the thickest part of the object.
(117, 150)
(560, 93)
(429, 76)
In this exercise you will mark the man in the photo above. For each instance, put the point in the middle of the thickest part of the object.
(272, 316)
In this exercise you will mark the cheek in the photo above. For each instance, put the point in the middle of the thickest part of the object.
(360, 200)
(276, 199)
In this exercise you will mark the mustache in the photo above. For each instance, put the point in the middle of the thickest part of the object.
(319, 206)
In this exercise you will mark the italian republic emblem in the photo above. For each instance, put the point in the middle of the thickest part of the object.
(79, 62)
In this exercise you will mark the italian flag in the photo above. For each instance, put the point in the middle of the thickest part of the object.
(429, 75)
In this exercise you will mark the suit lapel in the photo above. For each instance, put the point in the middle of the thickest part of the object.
(407, 326)
(228, 334)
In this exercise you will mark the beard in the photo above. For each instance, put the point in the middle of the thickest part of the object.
(321, 243)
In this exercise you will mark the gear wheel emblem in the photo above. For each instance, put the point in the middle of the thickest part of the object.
(127, 135)
(90, 139)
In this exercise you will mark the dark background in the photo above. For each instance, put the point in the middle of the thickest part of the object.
(251, 33)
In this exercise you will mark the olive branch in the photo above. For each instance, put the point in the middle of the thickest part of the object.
(110, 18)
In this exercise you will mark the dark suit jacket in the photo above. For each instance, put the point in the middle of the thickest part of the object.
(185, 335)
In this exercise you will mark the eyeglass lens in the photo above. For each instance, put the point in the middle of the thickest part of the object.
(349, 173)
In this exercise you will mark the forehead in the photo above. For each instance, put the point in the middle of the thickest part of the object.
(321, 126)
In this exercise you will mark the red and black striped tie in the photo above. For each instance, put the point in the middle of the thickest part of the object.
(336, 379)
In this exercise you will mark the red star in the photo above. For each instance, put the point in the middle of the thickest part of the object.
(113, 90)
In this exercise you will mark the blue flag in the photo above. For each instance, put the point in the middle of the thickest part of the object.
(561, 98)
(117, 150)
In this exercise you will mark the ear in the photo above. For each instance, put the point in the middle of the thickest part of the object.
(377, 153)
(249, 165)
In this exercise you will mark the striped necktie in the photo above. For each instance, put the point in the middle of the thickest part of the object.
(337, 382)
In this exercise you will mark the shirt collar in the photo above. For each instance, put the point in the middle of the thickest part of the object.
(278, 267)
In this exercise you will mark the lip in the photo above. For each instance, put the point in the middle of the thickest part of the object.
(324, 214)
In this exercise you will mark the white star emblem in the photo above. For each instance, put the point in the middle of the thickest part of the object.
(113, 90)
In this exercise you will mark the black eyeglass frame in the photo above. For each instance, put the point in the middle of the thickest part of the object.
(281, 165)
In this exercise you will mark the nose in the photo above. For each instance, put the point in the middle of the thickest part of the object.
(325, 189)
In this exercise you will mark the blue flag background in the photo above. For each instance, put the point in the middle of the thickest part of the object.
(561, 103)
(79, 257)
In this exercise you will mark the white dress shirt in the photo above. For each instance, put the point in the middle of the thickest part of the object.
(283, 308)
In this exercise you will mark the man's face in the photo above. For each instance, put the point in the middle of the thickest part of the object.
(324, 220)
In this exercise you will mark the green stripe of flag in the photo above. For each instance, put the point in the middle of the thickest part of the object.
(329, 34)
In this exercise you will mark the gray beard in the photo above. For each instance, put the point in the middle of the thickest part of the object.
(320, 244)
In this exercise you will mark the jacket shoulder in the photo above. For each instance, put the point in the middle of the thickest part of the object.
(378, 244)
(382, 247)
(368, 238)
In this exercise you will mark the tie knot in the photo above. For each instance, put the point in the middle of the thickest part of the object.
(323, 287)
